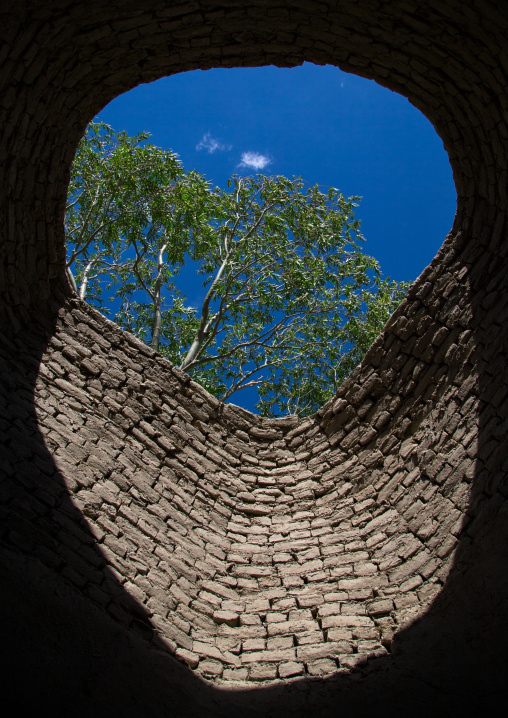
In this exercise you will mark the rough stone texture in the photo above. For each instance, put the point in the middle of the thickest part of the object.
(161, 552)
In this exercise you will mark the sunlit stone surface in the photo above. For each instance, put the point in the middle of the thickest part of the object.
(161, 552)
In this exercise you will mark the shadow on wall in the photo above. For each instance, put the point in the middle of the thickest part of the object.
(69, 655)
(63, 652)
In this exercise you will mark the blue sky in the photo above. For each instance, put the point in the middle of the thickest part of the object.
(319, 123)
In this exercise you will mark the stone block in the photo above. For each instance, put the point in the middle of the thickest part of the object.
(279, 642)
(210, 668)
(229, 617)
(269, 656)
(257, 644)
(188, 657)
(291, 669)
(328, 649)
(285, 627)
(263, 672)
(380, 608)
(322, 667)
(235, 674)
(346, 621)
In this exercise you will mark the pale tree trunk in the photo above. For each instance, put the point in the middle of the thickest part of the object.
(157, 302)
(157, 326)
(86, 277)
(202, 332)
(71, 279)
(206, 332)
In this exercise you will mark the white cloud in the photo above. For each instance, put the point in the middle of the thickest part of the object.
(211, 144)
(254, 160)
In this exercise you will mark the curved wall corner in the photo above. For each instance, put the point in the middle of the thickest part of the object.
(161, 551)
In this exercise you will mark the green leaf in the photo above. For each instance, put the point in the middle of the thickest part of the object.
(290, 301)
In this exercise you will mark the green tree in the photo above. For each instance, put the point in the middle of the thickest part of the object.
(288, 301)
(128, 202)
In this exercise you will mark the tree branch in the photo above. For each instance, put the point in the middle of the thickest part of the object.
(200, 335)
(86, 276)
(157, 299)
(240, 385)
(138, 273)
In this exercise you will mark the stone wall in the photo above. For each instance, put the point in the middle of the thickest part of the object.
(157, 543)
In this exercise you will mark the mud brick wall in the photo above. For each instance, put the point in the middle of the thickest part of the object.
(162, 552)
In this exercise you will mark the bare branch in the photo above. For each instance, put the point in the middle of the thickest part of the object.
(86, 276)
(71, 278)
(135, 269)
(260, 340)
(240, 385)
(157, 299)
(201, 332)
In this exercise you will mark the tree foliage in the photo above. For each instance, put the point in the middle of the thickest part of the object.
(287, 301)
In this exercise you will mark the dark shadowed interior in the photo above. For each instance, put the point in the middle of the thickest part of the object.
(162, 554)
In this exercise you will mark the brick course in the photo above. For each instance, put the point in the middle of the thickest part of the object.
(250, 549)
